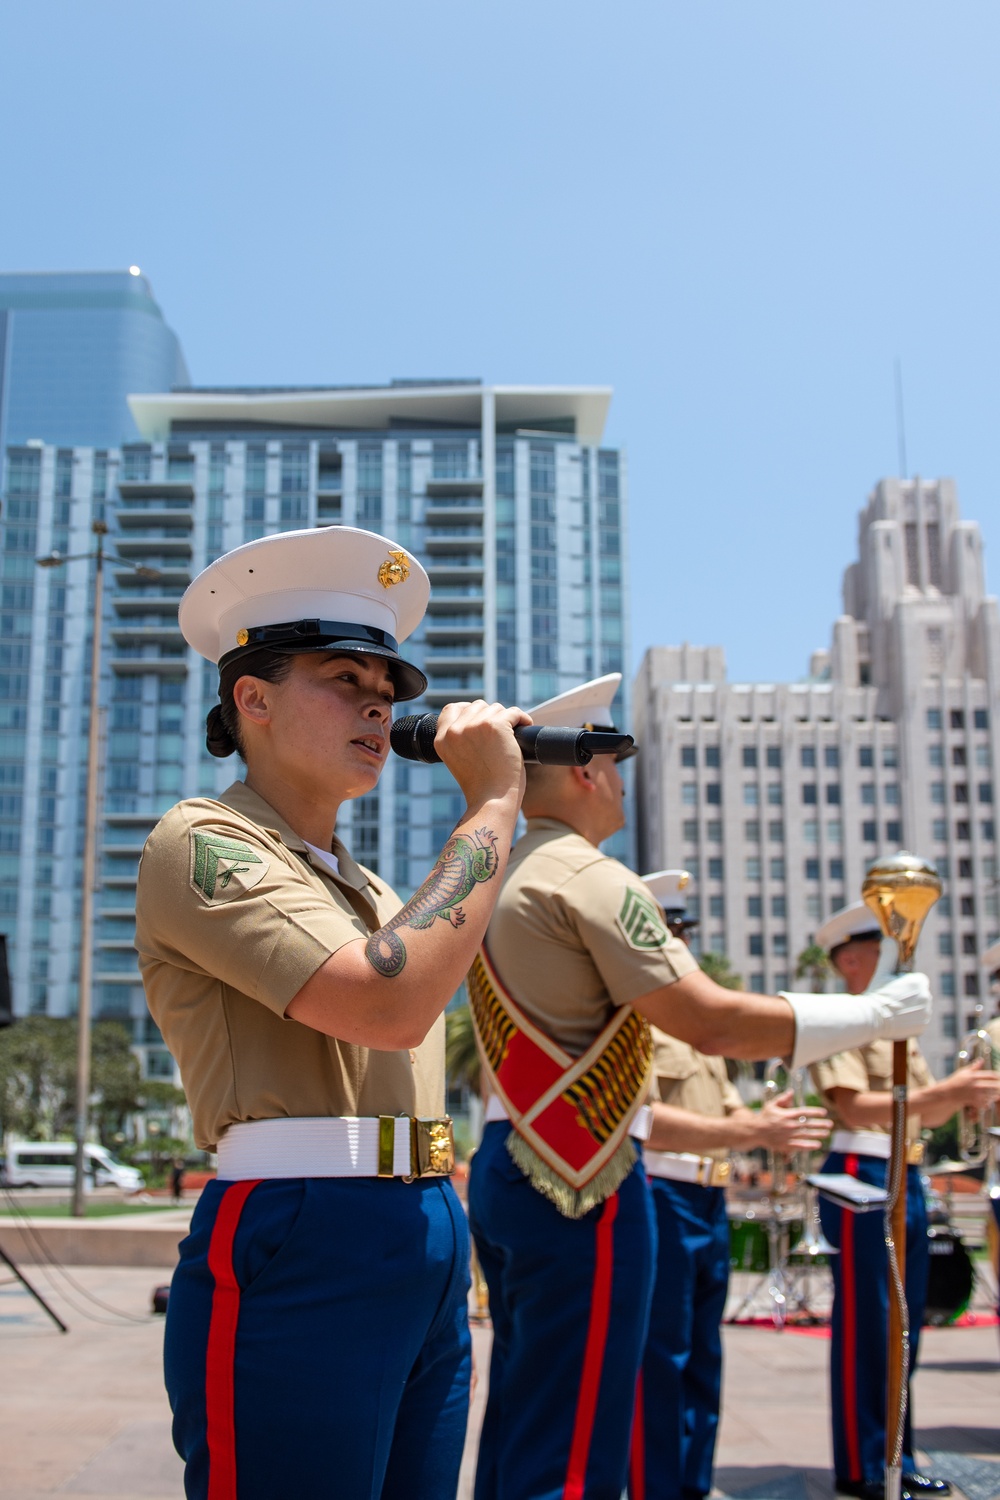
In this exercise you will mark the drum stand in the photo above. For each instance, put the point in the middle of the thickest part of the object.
(788, 1286)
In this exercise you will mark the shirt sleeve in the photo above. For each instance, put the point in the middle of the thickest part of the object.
(846, 1070)
(622, 927)
(218, 898)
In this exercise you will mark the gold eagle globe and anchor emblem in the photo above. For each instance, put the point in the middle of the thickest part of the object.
(395, 569)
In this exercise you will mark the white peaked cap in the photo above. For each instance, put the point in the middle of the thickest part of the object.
(368, 588)
(585, 707)
(668, 887)
(856, 920)
(991, 958)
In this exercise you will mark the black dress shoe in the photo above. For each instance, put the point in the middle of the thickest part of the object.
(922, 1484)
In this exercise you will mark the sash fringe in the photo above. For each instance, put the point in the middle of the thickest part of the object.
(571, 1202)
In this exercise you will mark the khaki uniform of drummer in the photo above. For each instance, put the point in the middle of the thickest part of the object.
(235, 914)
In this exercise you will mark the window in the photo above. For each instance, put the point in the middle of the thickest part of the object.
(967, 906)
(834, 830)
(935, 755)
(715, 869)
(869, 832)
(957, 718)
(810, 831)
(958, 755)
(751, 831)
(757, 984)
(890, 793)
(774, 757)
(890, 757)
(713, 830)
(690, 830)
(965, 869)
(776, 831)
(807, 757)
(716, 906)
(713, 793)
(945, 945)
(774, 797)
(777, 869)
(939, 829)
(781, 981)
(689, 794)
(986, 828)
(894, 832)
(813, 908)
(960, 791)
(779, 944)
(688, 755)
(985, 791)
(981, 718)
(836, 869)
(753, 868)
(812, 869)
(751, 795)
(833, 794)
(749, 757)
(944, 904)
(868, 794)
(831, 757)
(982, 755)
(754, 906)
(755, 945)
(969, 943)
(712, 756)
(866, 757)
(946, 985)
(990, 868)
(970, 985)
(937, 791)
(778, 905)
(933, 718)
(809, 797)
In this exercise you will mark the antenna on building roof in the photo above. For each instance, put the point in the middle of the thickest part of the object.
(900, 420)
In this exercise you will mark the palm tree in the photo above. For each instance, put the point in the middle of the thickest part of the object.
(716, 966)
(460, 1055)
(814, 965)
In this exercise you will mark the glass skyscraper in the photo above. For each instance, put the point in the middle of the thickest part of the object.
(504, 493)
(73, 346)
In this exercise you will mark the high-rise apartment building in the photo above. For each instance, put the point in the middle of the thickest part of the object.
(776, 796)
(506, 496)
(73, 346)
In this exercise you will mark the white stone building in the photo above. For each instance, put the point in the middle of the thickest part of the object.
(776, 796)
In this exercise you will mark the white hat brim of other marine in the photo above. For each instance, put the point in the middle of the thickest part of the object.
(324, 589)
(854, 921)
(585, 707)
(668, 887)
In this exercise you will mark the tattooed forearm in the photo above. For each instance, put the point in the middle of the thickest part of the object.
(463, 864)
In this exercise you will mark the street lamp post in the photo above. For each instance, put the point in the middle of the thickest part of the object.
(86, 965)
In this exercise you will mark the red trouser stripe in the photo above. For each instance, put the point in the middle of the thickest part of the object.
(220, 1423)
(849, 1355)
(593, 1355)
(637, 1457)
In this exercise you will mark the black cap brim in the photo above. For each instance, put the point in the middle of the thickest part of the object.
(408, 680)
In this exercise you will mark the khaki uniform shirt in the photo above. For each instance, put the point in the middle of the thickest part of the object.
(232, 918)
(870, 1069)
(687, 1079)
(575, 935)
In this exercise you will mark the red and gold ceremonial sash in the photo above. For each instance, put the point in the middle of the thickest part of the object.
(570, 1114)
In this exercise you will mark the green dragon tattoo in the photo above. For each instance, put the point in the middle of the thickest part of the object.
(463, 864)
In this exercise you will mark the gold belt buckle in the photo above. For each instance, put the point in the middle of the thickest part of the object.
(915, 1153)
(432, 1148)
(719, 1174)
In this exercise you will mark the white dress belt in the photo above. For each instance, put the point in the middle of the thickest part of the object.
(685, 1166)
(642, 1121)
(345, 1146)
(861, 1143)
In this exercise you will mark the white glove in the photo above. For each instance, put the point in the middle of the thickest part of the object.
(825, 1024)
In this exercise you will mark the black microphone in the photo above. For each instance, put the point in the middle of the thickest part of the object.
(413, 738)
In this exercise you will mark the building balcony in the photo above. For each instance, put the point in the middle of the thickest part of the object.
(437, 697)
(155, 489)
(469, 509)
(144, 518)
(146, 635)
(454, 571)
(455, 539)
(147, 547)
(453, 627)
(149, 604)
(454, 661)
(447, 488)
(450, 599)
(138, 666)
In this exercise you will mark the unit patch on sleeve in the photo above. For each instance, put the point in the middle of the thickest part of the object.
(640, 921)
(222, 868)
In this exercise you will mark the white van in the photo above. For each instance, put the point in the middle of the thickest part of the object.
(53, 1164)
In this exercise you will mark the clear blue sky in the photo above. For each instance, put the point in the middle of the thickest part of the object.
(737, 214)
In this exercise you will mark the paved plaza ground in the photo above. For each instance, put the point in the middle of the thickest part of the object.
(84, 1413)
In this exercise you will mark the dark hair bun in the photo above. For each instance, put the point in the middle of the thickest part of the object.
(217, 737)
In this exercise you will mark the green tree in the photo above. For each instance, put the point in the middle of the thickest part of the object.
(38, 1078)
(460, 1053)
(814, 965)
(717, 967)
